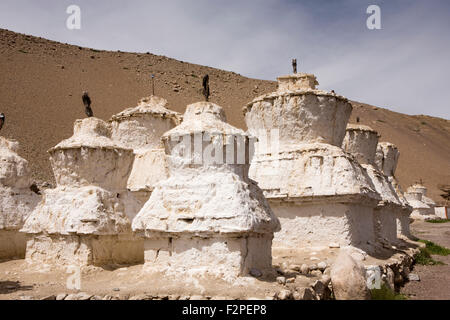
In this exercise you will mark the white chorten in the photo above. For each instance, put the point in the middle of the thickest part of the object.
(86, 219)
(362, 141)
(319, 192)
(141, 128)
(208, 216)
(16, 199)
(387, 160)
(423, 207)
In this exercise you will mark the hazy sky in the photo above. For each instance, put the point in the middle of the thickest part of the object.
(404, 66)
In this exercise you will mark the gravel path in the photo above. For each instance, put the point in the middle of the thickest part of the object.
(434, 281)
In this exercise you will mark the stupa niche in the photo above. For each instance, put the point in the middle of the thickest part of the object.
(387, 160)
(319, 192)
(362, 141)
(141, 128)
(208, 215)
(86, 219)
(16, 199)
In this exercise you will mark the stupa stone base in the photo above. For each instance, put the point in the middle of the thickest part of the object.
(218, 255)
(84, 250)
(12, 244)
(304, 224)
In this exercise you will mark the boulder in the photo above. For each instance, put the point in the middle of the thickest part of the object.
(348, 279)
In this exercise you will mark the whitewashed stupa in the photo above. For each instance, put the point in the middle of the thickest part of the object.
(141, 128)
(86, 219)
(362, 141)
(423, 207)
(208, 216)
(386, 160)
(320, 193)
(16, 199)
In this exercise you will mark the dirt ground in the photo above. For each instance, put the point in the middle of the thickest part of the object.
(20, 281)
(434, 281)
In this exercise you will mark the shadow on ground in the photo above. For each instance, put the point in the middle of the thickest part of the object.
(7, 287)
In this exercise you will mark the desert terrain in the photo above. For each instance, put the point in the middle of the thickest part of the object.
(41, 83)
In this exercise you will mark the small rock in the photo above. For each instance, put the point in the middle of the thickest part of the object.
(281, 280)
(319, 288)
(107, 297)
(255, 272)
(314, 259)
(26, 298)
(303, 294)
(358, 256)
(304, 269)
(61, 296)
(327, 271)
(313, 267)
(334, 245)
(96, 298)
(197, 297)
(141, 297)
(290, 280)
(326, 279)
(116, 289)
(295, 267)
(79, 296)
(50, 297)
(284, 295)
(322, 265)
(413, 277)
(316, 273)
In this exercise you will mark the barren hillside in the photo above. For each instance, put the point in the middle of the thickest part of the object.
(41, 83)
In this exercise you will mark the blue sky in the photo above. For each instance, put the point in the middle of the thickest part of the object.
(404, 66)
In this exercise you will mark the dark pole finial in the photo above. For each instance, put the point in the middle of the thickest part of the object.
(294, 65)
(2, 120)
(153, 84)
(206, 87)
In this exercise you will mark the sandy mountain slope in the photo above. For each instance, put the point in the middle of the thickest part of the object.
(41, 83)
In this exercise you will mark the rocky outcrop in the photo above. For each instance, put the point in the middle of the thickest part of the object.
(319, 192)
(208, 216)
(87, 218)
(16, 199)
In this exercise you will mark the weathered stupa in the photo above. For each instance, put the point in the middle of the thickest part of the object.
(16, 199)
(208, 216)
(362, 141)
(141, 128)
(320, 193)
(386, 160)
(423, 207)
(86, 219)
